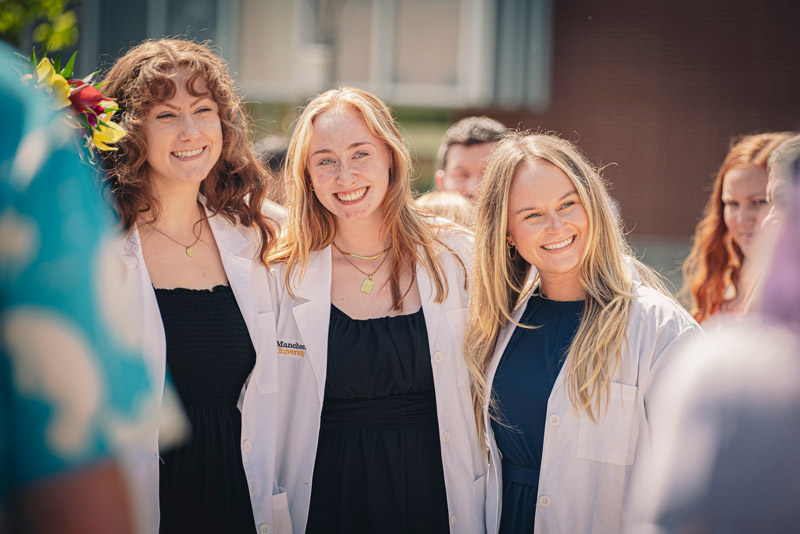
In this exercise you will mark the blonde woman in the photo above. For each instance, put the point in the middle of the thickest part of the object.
(566, 334)
(450, 205)
(376, 428)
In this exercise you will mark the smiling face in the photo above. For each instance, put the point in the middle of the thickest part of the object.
(549, 226)
(464, 168)
(348, 166)
(744, 197)
(183, 136)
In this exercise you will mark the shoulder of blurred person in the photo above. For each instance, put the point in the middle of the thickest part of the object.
(76, 393)
(727, 417)
(274, 211)
(457, 238)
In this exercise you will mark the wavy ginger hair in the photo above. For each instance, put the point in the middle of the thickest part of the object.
(311, 227)
(715, 261)
(499, 281)
(144, 77)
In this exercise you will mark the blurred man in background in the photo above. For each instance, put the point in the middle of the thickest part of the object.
(464, 153)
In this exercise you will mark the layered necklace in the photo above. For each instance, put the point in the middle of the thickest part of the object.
(188, 248)
(368, 283)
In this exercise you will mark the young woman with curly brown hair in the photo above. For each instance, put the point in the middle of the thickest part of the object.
(190, 195)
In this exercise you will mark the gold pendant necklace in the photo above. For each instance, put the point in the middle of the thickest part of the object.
(188, 248)
(368, 283)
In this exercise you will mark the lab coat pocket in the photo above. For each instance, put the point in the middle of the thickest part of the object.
(281, 520)
(457, 320)
(479, 493)
(613, 438)
(267, 363)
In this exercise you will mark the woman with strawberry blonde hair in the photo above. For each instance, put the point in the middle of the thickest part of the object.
(376, 431)
(567, 333)
(717, 276)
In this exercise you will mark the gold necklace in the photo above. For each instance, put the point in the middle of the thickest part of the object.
(189, 248)
(367, 284)
(375, 257)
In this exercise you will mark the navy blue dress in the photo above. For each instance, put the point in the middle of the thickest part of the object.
(522, 385)
(379, 461)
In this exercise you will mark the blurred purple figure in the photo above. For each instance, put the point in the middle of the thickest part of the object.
(727, 456)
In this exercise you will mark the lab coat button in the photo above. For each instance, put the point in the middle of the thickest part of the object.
(437, 357)
(544, 501)
(247, 445)
(453, 519)
(554, 420)
(446, 438)
(263, 528)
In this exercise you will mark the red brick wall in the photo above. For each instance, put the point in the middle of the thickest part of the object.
(659, 88)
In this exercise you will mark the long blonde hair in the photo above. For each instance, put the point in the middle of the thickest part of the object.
(499, 280)
(310, 226)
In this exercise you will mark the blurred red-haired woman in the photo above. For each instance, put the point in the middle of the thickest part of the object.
(716, 274)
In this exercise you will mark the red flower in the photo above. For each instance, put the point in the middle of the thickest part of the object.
(83, 96)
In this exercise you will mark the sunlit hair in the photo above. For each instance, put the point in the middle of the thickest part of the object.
(783, 161)
(310, 226)
(144, 77)
(499, 277)
(450, 205)
(715, 261)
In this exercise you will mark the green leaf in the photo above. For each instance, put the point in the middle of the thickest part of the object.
(84, 121)
(33, 57)
(57, 63)
(69, 69)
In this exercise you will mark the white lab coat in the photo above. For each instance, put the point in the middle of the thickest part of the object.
(586, 466)
(303, 331)
(254, 289)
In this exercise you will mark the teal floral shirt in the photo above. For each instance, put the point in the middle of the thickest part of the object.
(73, 387)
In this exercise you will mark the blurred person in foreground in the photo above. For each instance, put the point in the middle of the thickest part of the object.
(463, 154)
(729, 460)
(718, 275)
(74, 393)
(450, 205)
(190, 196)
(567, 333)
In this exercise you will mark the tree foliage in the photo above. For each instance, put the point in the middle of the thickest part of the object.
(54, 25)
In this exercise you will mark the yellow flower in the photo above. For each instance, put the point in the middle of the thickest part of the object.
(102, 136)
(55, 83)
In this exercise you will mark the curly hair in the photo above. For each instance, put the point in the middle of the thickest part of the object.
(715, 260)
(236, 186)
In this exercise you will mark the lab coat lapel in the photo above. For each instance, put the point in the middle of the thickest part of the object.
(313, 317)
(147, 320)
(237, 260)
(430, 308)
(502, 342)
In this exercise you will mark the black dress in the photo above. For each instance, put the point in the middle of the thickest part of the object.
(522, 385)
(379, 464)
(203, 487)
